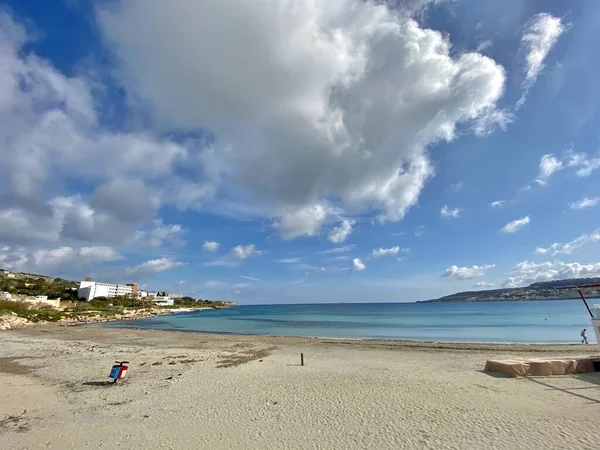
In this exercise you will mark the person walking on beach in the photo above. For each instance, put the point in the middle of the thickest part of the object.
(583, 337)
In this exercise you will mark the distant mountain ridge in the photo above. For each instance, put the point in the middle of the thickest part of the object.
(545, 290)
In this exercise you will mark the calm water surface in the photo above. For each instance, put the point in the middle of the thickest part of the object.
(558, 321)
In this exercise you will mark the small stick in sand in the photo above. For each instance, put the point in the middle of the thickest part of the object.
(301, 359)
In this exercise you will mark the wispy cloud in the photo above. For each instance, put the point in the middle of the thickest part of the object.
(290, 260)
(550, 164)
(568, 247)
(420, 231)
(516, 225)
(497, 203)
(455, 187)
(235, 257)
(585, 203)
(378, 252)
(250, 278)
(307, 267)
(341, 258)
(345, 248)
(541, 34)
(449, 213)
(222, 262)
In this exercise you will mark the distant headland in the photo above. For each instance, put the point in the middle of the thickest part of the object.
(546, 290)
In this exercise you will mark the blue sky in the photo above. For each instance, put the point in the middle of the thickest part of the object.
(344, 152)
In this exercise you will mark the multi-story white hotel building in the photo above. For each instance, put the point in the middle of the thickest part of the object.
(89, 290)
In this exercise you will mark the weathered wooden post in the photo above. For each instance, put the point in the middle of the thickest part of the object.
(301, 359)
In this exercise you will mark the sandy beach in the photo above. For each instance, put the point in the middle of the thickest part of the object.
(188, 390)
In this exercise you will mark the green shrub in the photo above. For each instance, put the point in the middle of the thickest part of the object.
(47, 316)
(41, 306)
(16, 307)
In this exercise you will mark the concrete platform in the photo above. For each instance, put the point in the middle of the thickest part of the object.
(544, 367)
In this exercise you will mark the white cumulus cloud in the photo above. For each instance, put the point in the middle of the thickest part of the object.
(527, 272)
(59, 258)
(483, 285)
(516, 225)
(358, 265)
(211, 246)
(242, 252)
(319, 104)
(160, 234)
(340, 233)
(466, 273)
(51, 134)
(549, 164)
(304, 221)
(153, 267)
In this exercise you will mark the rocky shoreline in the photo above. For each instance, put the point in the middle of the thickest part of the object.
(12, 321)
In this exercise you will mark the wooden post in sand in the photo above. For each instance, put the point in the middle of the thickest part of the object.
(301, 359)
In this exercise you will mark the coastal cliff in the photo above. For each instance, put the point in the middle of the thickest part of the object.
(546, 290)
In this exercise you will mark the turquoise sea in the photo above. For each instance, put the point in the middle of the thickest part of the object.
(558, 321)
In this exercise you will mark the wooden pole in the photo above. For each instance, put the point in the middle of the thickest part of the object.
(585, 303)
(301, 359)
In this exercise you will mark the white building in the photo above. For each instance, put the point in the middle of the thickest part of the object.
(5, 295)
(89, 290)
(163, 299)
(41, 298)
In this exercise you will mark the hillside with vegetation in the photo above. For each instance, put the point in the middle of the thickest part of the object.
(547, 290)
(31, 285)
(20, 310)
(26, 284)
